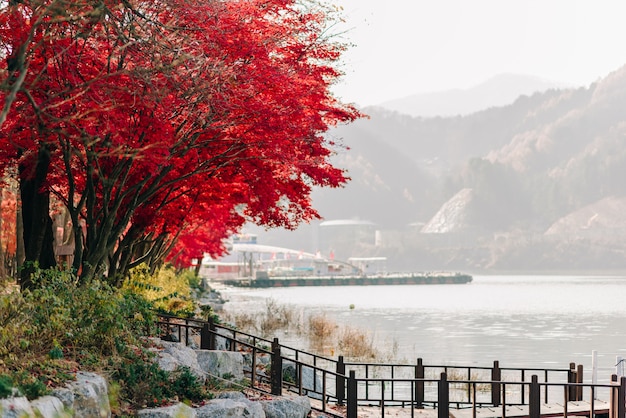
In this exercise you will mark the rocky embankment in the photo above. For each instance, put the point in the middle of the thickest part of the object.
(88, 397)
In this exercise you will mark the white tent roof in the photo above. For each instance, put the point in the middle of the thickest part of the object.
(268, 249)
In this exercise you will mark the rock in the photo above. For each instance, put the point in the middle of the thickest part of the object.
(174, 355)
(311, 382)
(171, 338)
(179, 410)
(223, 364)
(231, 395)
(231, 408)
(222, 340)
(15, 408)
(293, 407)
(167, 362)
(91, 397)
(66, 396)
(50, 407)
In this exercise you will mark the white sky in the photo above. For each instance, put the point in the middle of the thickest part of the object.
(403, 47)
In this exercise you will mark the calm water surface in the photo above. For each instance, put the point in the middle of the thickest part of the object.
(522, 321)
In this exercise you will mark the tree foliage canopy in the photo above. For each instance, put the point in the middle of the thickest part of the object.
(164, 125)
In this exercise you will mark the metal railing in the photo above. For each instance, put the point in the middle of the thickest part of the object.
(386, 396)
(337, 382)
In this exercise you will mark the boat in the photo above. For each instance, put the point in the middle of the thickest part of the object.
(261, 266)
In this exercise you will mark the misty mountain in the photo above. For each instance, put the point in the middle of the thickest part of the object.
(498, 91)
(536, 185)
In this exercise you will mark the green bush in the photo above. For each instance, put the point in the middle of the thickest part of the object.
(47, 332)
(188, 386)
(144, 383)
(6, 386)
(31, 386)
(61, 326)
(59, 314)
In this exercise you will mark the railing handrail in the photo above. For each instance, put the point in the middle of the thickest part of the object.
(443, 366)
(342, 378)
(480, 382)
(353, 363)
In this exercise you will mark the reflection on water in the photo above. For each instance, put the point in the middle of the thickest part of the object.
(522, 321)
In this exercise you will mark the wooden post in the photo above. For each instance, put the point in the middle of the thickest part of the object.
(205, 337)
(534, 398)
(419, 384)
(621, 395)
(443, 398)
(212, 337)
(571, 378)
(617, 407)
(276, 374)
(351, 409)
(579, 379)
(614, 401)
(613, 397)
(496, 376)
(253, 368)
(340, 382)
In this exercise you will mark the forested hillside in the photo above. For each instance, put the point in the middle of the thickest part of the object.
(491, 190)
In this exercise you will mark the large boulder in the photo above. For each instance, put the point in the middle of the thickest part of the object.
(235, 405)
(172, 356)
(15, 408)
(231, 408)
(50, 407)
(86, 397)
(179, 410)
(91, 397)
(222, 364)
(311, 381)
(287, 407)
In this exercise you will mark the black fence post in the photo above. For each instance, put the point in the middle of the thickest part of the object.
(613, 402)
(340, 382)
(276, 374)
(212, 334)
(419, 384)
(496, 377)
(579, 379)
(351, 409)
(534, 398)
(621, 394)
(205, 337)
(443, 398)
(571, 378)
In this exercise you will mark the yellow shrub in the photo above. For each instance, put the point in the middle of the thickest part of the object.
(169, 292)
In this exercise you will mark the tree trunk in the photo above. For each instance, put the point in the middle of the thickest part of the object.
(37, 223)
(3, 244)
(19, 235)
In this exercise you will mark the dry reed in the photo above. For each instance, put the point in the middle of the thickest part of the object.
(323, 335)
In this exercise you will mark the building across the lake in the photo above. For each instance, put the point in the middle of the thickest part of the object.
(348, 237)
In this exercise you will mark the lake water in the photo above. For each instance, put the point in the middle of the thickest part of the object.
(522, 321)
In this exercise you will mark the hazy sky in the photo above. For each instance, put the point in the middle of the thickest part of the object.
(404, 47)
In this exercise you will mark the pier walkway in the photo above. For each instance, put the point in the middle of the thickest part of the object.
(339, 388)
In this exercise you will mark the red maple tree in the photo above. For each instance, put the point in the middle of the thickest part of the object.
(165, 125)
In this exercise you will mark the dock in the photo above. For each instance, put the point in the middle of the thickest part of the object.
(373, 280)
